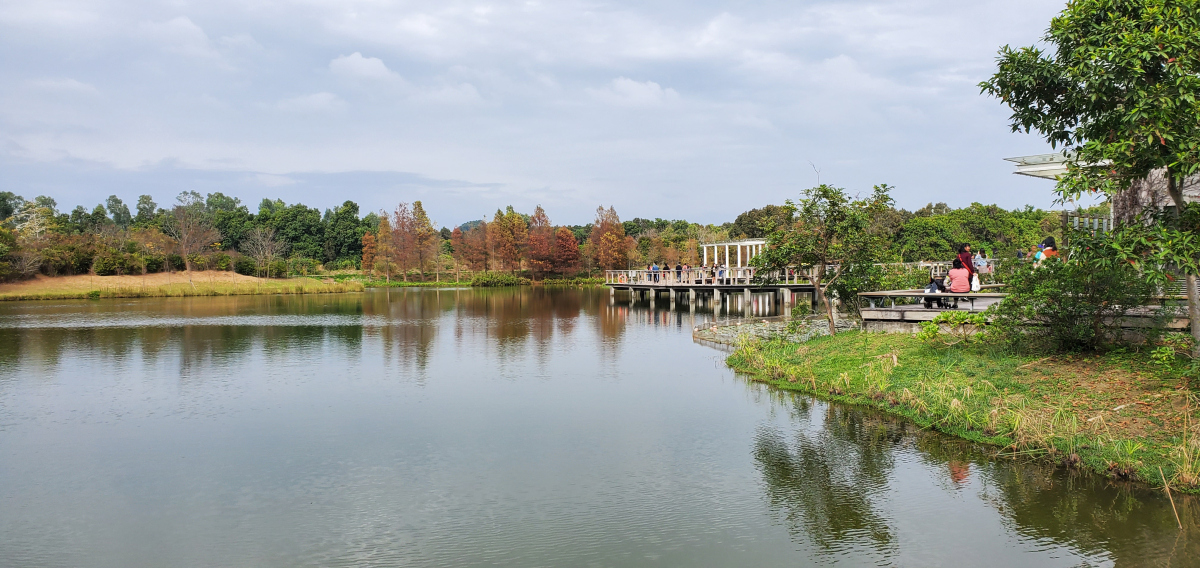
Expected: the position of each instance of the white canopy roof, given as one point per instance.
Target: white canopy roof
(1047, 166)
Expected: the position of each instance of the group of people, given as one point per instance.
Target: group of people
(1038, 254)
(714, 273)
(655, 271)
(964, 277)
(965, 274)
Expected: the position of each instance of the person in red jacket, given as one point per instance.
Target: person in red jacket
(964, 254)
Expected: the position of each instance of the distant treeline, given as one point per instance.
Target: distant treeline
(215, 231)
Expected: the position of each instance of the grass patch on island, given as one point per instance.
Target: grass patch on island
(95, 287)
(1121, 413)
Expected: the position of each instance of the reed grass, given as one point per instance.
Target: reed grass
(1105, 413)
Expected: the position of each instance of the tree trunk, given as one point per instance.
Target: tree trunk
(1176, 190)
(187, 267)
(1194, 314)
(822, 301)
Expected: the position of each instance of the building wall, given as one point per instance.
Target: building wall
(1151, 192)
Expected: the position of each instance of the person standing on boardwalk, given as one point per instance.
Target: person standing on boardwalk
(981, 265)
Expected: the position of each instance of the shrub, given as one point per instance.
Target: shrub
(222, 261)
(951, 327)
(277, 269)
(1073, 304)
(497, 279)
(175, 262)
(198, 261)
(245, 265)
(109, 263)
(301, 265)
(154, 263)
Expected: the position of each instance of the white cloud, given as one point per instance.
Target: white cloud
(355, 65)
(627, 92)
(180, 36)
(316, 102)
(534, 98)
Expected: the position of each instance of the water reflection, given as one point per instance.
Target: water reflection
(823, 482)
(831, 474)
(261, 430)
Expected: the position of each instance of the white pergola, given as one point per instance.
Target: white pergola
(734, 258)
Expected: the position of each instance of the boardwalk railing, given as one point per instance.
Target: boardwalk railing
(693, 277)
(735, 276)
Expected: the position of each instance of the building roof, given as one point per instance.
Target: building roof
(736, 243)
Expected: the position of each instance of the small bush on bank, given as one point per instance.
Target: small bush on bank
(497, 279)
(1073, 304)
(245, 265)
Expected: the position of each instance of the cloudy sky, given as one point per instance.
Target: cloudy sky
(696, 110)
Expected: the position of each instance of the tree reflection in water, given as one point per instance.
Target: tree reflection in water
(823, 480)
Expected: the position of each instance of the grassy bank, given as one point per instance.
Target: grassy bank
(1119, 414)
(159, 285)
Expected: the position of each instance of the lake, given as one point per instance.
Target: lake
(491, 427)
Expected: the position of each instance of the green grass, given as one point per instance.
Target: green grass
(291, 286)
(1117, 414)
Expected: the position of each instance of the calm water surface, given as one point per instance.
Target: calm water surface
(518, 427)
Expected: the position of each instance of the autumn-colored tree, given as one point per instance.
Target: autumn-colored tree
(192, 229)
(264, 246)
(425, 240)
(404, 238)
(541, 245)
(566, 251)
(508, 239)
(608, 240)
(475, 247)
(368, 248)
(385, 254)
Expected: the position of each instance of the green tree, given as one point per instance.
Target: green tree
(344, 232)
(830, 233)
(10, 204)
(1119, 90)
(298, 226)
(147, 210)
(119, 211)
(232, 219)
(757, 223)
